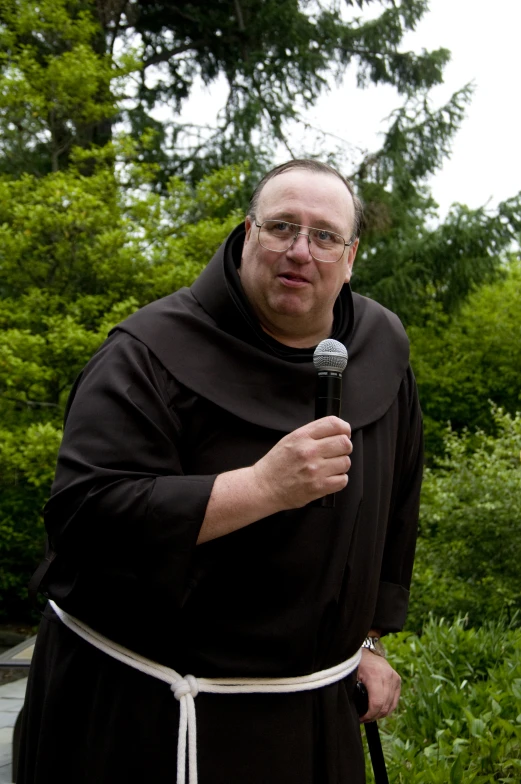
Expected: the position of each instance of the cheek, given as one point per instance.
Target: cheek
(344, 274)
(334, 281)
(252, 273)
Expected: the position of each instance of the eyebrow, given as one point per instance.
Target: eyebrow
(319, 224)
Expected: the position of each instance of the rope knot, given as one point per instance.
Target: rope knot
(184, 686)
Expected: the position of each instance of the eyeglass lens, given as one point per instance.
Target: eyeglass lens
(279, 236)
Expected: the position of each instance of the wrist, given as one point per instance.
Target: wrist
(265, 492)
(373, 644)
(237, 500)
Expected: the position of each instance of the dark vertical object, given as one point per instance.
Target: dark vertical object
(376, 753)
(372, 735)
(330, 360)
(16, 746)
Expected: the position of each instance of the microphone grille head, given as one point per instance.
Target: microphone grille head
(330, 355)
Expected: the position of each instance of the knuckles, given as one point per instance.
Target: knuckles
(340, 426)
(307, 453)
(312, 471)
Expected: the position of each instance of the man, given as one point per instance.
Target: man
(183, 520)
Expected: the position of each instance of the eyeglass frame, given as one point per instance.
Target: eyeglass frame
(303, 233)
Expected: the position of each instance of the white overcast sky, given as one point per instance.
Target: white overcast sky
(484, 39)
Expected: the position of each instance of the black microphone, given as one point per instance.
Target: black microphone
(330, 360)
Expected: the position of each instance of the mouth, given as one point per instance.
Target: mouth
(292, 279)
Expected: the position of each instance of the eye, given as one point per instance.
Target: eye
(326, 238)
(281, 227)
(324, 235)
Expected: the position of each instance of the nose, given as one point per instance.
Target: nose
(299, 250)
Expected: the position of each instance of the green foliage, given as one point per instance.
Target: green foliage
(64, 60)
(54, 86)
(464, 362)
(405, 262)
(459, 717)
(27, 459)
(276, 58)
(469, 550)
(72, 70)
(77, 255)
(58, 233)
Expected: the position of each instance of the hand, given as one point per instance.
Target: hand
(383, 685)
(307, 464)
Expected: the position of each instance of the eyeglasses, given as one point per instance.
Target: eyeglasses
(324, 245)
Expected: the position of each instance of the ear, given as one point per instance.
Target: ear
(248, 224)
(351, 259)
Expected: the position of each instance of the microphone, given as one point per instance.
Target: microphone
(330, 360)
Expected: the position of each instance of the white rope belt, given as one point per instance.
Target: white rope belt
(187, 688)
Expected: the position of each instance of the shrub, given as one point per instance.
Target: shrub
(469, 549)
(459, 718)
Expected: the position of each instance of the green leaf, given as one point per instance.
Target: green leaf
(456, 771)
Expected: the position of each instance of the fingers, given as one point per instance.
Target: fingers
(335, 446)
(325, 439)
(379, 709)
(382, 703)
(338, 466)
(307, 464)
(383, 685)
(327, 426)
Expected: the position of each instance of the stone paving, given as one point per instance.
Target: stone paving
(11, 702)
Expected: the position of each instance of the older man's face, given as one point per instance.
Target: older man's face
(291, 293)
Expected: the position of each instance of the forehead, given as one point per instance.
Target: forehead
(309, 198)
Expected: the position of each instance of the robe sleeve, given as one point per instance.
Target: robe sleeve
(121, 503)
(398, 557)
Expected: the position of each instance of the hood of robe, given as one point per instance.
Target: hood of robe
(209, 339)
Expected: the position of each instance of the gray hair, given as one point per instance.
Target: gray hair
(318, 168)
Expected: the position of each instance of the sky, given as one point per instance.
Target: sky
(483, 37)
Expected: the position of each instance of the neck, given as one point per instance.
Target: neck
(290, 335)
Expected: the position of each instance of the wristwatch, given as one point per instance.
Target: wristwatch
(374, 645)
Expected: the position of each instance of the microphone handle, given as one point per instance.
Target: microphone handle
(329, 395)
(328, 403)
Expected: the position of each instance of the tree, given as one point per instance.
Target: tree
(276, 58)
(77, 255)
(406, 262)
(57, 90)
(465, 362)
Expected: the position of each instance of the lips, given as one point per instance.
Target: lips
(292, 279)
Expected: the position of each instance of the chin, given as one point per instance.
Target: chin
(291, 313)
(290, 306)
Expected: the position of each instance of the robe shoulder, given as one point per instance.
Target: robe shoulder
(210, 357)
(378, 362)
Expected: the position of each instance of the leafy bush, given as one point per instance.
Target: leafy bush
(78, 255)
(27, 459)
(465, 361)
(469, 549)
(459, 718)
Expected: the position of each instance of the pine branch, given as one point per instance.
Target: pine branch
(166, 54)
(240, 18)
